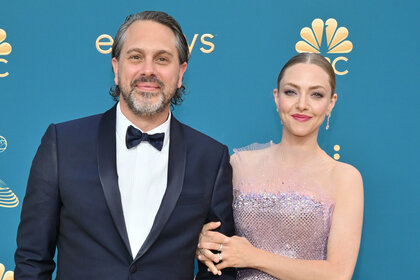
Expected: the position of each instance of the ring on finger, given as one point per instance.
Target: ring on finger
(220, 247)
(219, 255)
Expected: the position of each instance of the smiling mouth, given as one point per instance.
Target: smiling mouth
(148, 87)
(147, 84)
(301, 118)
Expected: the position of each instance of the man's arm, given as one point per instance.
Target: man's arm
(221, 210)
(39, 222)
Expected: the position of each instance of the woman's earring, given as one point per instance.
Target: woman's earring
(277, 109)
(328, 122)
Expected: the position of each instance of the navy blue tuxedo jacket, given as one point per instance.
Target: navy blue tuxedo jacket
(73, 203)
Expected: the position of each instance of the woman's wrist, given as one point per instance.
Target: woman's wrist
(254, 257)
(261, 259)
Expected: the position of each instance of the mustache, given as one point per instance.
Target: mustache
(147, 80)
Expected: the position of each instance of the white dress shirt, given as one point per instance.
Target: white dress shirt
(142, 178)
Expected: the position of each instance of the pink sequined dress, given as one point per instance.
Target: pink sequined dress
(276, 209)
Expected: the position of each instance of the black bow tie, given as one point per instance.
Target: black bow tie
(135, 136)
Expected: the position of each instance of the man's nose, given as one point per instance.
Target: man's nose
(148, 68)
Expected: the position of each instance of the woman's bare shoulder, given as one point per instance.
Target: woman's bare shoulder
(347, 179)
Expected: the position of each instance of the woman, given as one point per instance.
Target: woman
(298, 213)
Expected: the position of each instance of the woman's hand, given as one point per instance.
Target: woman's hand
(232, 252)
(210, 240)
(237, 252)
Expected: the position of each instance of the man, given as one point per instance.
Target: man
(124, 194)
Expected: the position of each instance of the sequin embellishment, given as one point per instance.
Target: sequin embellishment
(291, 224)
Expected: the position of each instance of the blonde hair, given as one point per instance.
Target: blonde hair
(310, 58)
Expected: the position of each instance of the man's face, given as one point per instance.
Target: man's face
(148, 70)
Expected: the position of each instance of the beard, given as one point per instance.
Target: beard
(145, 106)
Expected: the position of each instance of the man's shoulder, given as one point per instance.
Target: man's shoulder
(83, 121)
(193, 135)
(77, 132)
(81, 125)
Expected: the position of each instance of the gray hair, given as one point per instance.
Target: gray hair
(162, 18)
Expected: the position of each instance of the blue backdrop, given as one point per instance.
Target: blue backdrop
(53, 69)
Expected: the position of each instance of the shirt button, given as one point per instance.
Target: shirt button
(133, 269)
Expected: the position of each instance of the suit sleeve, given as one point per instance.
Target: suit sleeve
(39, 222)
(221, 210)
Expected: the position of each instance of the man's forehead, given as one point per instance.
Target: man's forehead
(147, 30)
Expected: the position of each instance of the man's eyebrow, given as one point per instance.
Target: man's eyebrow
(134, 50)
(164, 52)
(159, 52)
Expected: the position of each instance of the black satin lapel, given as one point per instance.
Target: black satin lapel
(176, 171)
(107, 167)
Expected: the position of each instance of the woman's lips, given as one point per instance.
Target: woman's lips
(301, 118)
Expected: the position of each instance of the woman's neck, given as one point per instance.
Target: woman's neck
(300, 149)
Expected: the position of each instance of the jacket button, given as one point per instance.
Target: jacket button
(133, 269)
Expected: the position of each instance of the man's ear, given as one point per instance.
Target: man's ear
(182, 69)
(115, 68)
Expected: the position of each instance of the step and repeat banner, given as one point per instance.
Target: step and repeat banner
(55, 65)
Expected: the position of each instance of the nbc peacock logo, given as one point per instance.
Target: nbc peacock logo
(5, 49)
(9, 275)
(3, 144)
(335, 41)
(7, 198)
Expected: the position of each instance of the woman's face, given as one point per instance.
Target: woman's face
(304, 98)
